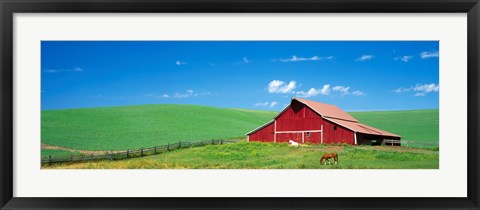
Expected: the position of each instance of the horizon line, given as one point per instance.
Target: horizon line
(346, 110)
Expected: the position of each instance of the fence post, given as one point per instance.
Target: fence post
(179, 144)
(49, 159)
(128, 153)
(221, 141)
(141, 152)
(212, 141)
(168, 146)
(71, 158)
(155, 150)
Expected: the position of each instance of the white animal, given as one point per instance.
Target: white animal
(293, 143)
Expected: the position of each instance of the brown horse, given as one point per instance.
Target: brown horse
(327, 157)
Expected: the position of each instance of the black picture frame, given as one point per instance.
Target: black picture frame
(10, 7)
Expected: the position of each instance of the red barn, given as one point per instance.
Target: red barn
(314, 122)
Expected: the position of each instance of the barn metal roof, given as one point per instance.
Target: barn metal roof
(340, 117)
(327, 110)
(361, 128)
(262, 126)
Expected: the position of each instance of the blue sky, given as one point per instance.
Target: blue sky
(354, 75)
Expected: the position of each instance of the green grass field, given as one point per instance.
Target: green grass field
(57, 153)
(133, 127)
(420, 127)
(256, 155)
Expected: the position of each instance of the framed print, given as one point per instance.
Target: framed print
(239, 105)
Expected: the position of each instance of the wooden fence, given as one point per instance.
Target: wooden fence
(135, 153)
(393, 142)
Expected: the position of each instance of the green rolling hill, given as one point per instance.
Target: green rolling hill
(133, 127)
(418, 127)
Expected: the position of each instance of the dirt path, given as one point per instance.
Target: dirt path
(86, 152)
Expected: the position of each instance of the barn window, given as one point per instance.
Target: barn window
(334, 127)
(308, 134)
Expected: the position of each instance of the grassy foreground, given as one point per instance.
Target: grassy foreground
(133, 127)
(256, 155)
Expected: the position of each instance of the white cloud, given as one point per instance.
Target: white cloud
(262, 104)
(314, 92)
(420, 89)
(75, 69)
(425, 55)
(51, 70)
(325, 90)
(404, 58)
(365, 58)
(358, 93)
(419, 94)
(296, 59)
(427, 88)
(274, 85)
(278, 86)
(266, 104)
(180, 63)
(182, 95)
(245, 60)
(186, 94)
(342, 89)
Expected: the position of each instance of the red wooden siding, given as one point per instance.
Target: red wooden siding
(285, 137)
(340, 135)
(299, 118)
(265, 134)
(315, 137)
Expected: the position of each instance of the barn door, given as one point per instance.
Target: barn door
(312, 137)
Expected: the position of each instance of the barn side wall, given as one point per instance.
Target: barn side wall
(263, 135)
(300, 117)
(334, 133)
